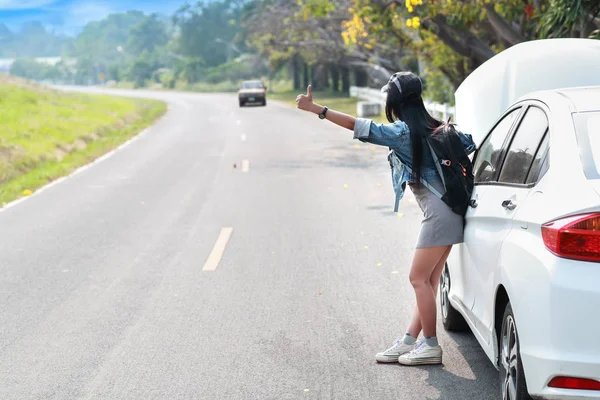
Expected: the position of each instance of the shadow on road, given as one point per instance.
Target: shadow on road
(483, 385)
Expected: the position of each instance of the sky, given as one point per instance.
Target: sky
(68, 17)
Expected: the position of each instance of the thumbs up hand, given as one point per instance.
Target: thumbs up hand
(305, 101)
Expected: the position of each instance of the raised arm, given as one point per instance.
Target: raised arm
(365, 130)
(305, 102)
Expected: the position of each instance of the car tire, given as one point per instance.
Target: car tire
(451, 318)
(512, 377)
(241, 104)
(264, 103)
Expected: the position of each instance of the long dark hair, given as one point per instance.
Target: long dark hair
(407, 105)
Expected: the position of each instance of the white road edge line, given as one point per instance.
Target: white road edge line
(77, 171)
(217, 252)
(245, 166)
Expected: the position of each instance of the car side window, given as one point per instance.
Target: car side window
(489, 156)
(524, 147)
(540, 162)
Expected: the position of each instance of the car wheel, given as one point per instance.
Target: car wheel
(241, 104)
(452, 319)
(512, 377)
(264, 103)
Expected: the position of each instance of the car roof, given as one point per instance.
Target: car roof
(576, 99)
(583, 99)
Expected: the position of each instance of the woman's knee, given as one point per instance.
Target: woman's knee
(418, 280)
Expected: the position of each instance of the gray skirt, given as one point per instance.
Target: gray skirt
(440, 226)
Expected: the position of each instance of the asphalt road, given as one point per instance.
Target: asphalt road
(103, 293)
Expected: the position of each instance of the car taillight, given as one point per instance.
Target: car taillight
(567, 382)
(576, 237)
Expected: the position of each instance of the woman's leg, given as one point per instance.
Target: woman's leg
(437, 272)
(424, 276)
(415, 327)
(405, 345)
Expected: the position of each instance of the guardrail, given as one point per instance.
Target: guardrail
(443, 111)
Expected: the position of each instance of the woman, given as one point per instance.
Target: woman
(410, 124)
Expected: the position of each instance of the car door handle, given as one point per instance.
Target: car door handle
(509, 205)
(473, 203)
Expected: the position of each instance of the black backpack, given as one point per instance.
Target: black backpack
(454, 166)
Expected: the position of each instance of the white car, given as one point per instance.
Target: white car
(526, 280)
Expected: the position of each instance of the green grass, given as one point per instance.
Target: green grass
(334, 101)
(122, 85)
(46, 134)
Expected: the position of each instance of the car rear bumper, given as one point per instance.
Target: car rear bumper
(253, 98)
(540, 370)
(558, 310)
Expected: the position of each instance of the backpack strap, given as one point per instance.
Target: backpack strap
(436, 161)
(433, 190)
(396, 162)
(423, 181)
(397, 202)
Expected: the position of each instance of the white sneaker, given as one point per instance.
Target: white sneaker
(392, 354)
(422, 354)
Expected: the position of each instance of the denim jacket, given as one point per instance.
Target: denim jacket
(396, 137)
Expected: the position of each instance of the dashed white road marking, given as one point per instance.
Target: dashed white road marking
(245, 166)
(217, 252)
(244, 137)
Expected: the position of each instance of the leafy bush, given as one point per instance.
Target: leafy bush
(38, 71)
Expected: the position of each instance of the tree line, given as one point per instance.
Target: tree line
(444, 40)
(329, 43)
(201, 42)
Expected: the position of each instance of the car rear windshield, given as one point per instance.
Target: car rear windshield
(252, 85)
(588, 135)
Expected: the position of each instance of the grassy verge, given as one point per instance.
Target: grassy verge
(333, 101)
(46, 134)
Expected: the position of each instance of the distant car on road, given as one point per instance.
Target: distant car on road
(252, 92)
(526, 280)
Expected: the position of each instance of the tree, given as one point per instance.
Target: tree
(141, 70)
(308, 36)
(453, 37)
(148, 35)
(209, 30)
(191, 69)
(86, 71)
(100, 40)
(122, 44)
(574, 18)
(39, 71)
(32, 41)
(447, 37)
(115, 72)
(27, 68)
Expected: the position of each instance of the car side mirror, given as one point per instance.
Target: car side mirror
(265, 88)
